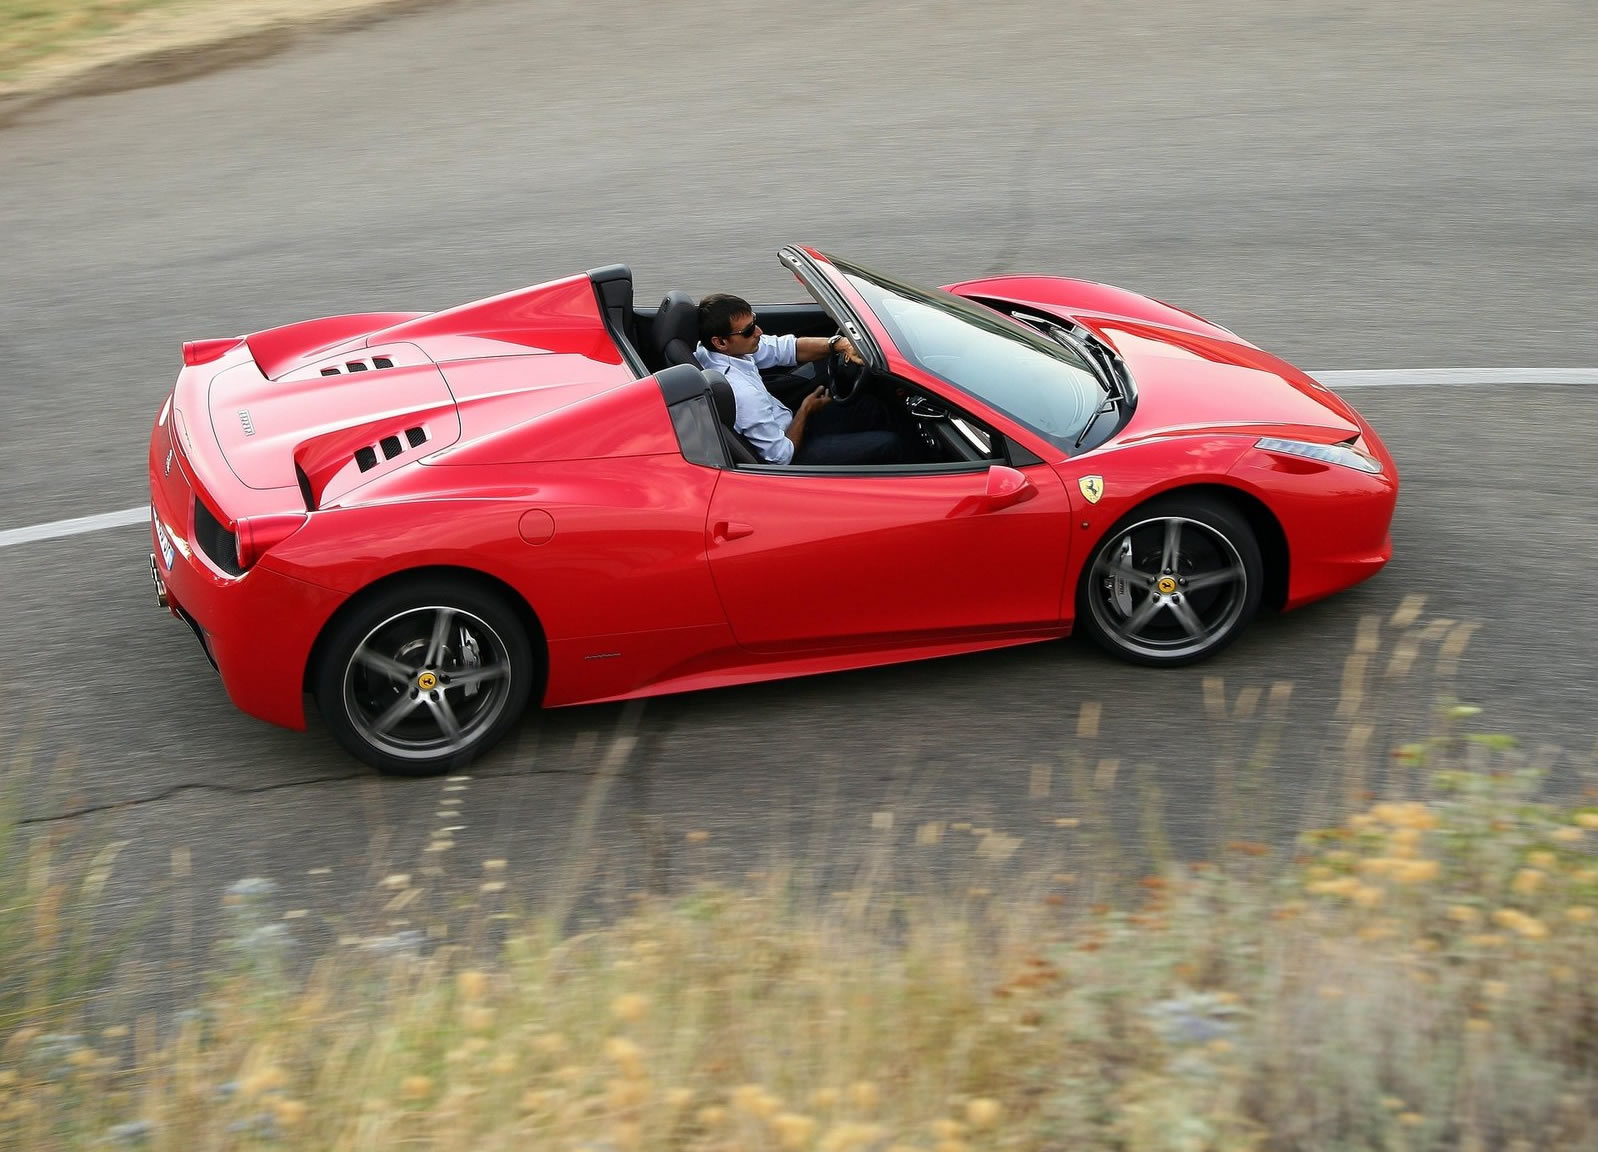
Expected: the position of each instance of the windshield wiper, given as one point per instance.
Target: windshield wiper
(1098, 360)
(1113, 393)
(1111, 403)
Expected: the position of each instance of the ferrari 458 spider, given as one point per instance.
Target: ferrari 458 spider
(426, 520)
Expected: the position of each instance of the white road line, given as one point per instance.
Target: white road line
(1337, 381)
(1452, 377)
(75, 527)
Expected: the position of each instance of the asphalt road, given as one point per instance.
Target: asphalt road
(1351, 186)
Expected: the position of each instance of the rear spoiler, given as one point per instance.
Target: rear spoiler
(277, 351)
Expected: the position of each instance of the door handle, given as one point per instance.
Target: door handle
(731, 530)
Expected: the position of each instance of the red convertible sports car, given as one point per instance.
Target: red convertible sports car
(426, 520)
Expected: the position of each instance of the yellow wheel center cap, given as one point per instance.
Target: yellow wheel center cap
(427, 681)
(1167, 585)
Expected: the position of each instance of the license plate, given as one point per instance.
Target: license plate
(163, 539)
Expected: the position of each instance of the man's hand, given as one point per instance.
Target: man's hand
(811, 348)
(817, 399)
(811, 404)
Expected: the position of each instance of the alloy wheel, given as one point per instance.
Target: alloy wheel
(1168, 588)
(427, 682)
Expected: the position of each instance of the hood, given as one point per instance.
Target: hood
(1187, 382)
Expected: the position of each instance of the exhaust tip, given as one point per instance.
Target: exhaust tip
(160, 585)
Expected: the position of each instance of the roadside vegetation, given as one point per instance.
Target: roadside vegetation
(44, 41)
(1419, 973)
(36, 30)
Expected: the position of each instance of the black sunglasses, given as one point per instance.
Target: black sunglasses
(746, 331)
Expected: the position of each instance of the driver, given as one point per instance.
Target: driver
(731, 342)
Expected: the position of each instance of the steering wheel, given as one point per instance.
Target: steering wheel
(844, 380)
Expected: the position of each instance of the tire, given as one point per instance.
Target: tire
(1147, 611)
(377, 657)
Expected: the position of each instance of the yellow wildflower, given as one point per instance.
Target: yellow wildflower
(983, 1112)
(630, 1006)
(1368, 896)
(1588, 820)
(1406, 842)
(849, 1136)
(1544, 860)
(626, 1055)
(793, 1130)
(471, 985)
(1568, 835)
(416, 1087)
(863, 1094)
(624, 1095)
(1417, 872)
(1579, 914)
(1342, 886)
(1463, 914)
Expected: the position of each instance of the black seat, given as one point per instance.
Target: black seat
(741, 451)
(676, 330)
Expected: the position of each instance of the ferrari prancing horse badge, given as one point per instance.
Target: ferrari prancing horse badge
(1092, 487)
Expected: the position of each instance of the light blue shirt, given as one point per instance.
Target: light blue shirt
(760, 417)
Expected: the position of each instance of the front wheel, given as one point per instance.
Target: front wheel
(1172, 583)
(422, 678)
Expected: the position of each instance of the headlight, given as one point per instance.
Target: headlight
(1350, 455)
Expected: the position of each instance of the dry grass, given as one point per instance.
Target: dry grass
(1422, 974)
(33, 30)
(44, 42)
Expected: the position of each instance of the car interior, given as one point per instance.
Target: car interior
(661, 338)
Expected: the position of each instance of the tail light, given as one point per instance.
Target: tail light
(205, 351)
(256, 535)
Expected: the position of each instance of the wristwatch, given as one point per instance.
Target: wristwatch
(832, 345)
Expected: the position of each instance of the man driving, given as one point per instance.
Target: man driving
(818, 432)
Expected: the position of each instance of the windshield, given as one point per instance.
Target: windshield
(1042, 385)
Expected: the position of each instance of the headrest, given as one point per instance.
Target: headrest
(676, 329)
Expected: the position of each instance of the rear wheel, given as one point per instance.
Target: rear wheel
(1172, 583)
(422, 678)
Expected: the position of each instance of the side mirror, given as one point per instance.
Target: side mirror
(1005, 487)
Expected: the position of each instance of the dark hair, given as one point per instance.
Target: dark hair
(715, 315)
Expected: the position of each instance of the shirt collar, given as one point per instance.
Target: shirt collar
(721, 357)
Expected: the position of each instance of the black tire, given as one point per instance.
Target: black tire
(377, 656)
(1150, 612)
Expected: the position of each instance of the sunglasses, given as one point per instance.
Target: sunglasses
(746, 331)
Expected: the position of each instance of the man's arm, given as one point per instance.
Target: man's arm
(809, 348)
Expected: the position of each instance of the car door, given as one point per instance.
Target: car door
(807, 558)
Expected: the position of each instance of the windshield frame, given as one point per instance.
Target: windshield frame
(995, 322)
